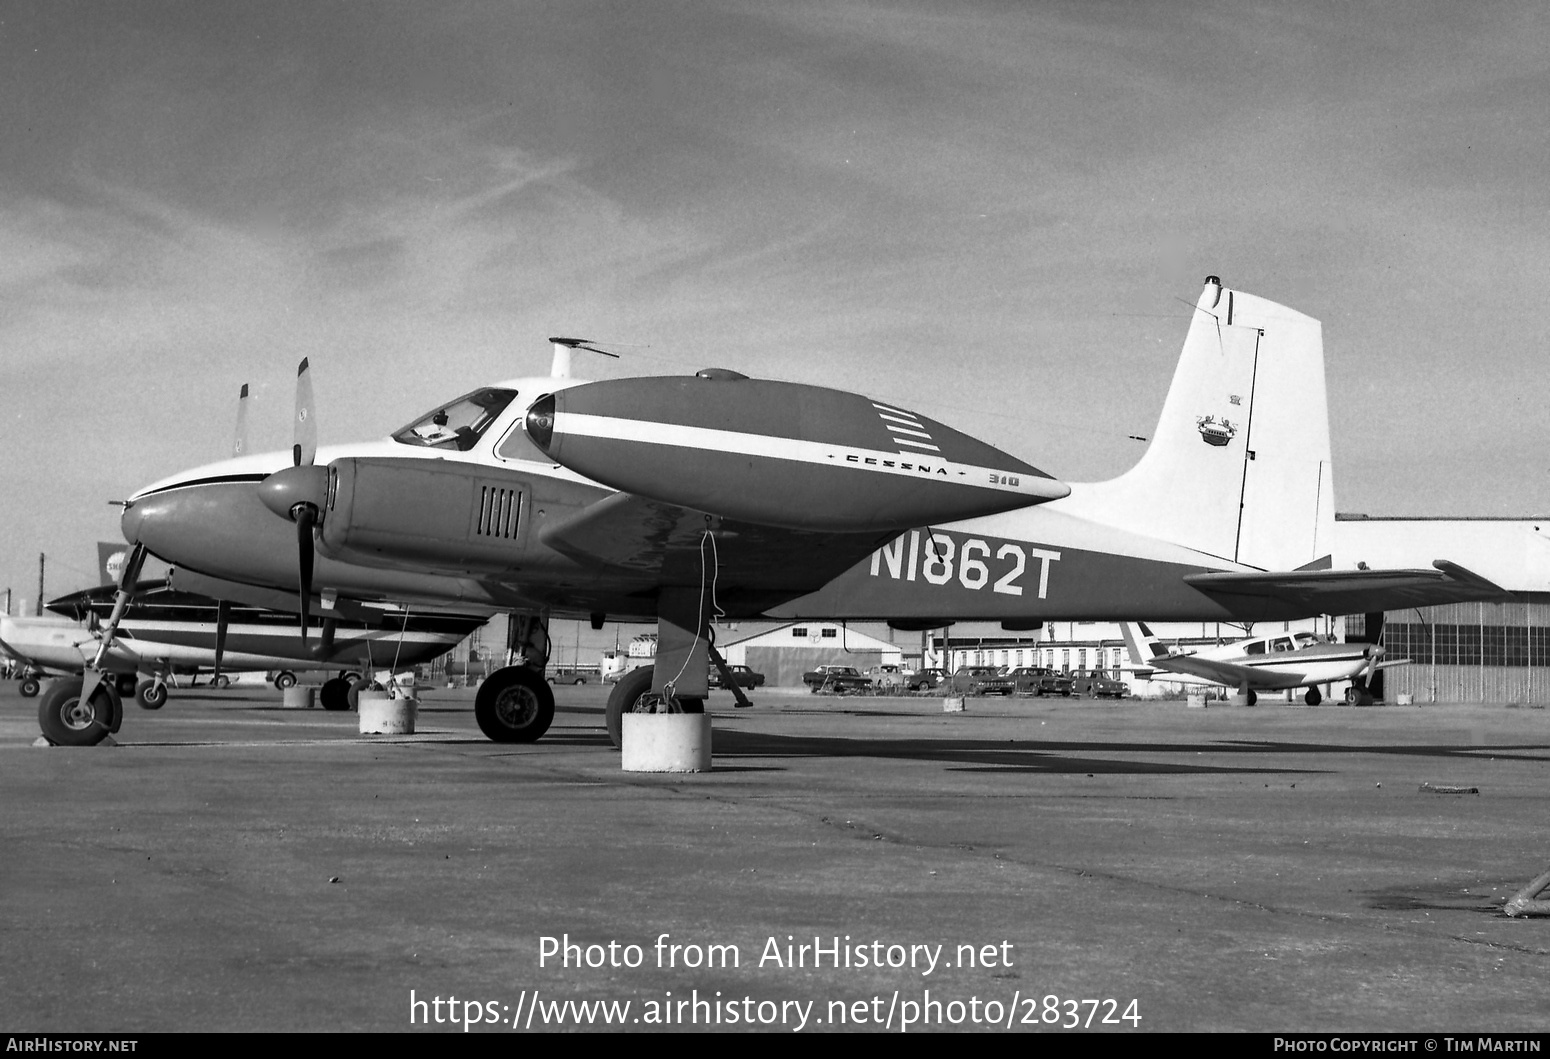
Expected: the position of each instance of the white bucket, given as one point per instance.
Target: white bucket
(665, 742)
(952, 704)
(299, 696)
(381, 714)
(1404, 699)
(1195, 700)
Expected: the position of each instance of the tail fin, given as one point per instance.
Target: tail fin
(1239, 464)
(1143, 645)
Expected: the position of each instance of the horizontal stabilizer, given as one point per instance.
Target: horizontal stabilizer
(1347, 591)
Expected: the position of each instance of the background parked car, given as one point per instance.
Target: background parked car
(1099, 685)
(836, 679)
(1037, 680)
(924, 679)
(745, 677)
(982, 680)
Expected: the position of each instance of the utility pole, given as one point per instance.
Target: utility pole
(38, 607)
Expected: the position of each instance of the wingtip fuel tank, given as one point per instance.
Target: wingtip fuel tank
(780, 454)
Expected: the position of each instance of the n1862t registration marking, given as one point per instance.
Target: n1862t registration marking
(943, 560)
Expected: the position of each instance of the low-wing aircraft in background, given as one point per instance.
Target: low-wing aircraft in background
(1280, 662)
(682, 499)
(166, 632)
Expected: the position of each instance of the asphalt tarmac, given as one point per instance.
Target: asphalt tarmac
(233, 865)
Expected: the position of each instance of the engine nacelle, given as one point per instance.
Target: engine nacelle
(450, 516)
(780, 454)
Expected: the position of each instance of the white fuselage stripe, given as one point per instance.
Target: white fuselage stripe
(911, 433)
(794, 450)
(917, 444)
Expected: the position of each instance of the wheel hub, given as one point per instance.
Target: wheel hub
(517, 707)
(77, 714)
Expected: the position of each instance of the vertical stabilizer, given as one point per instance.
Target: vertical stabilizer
(1238, 466)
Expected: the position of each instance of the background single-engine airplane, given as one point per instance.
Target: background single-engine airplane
(680, 499)
(1279, 662)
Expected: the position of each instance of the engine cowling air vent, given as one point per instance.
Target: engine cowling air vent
(499, 512)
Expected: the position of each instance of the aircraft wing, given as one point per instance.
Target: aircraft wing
(1224, 672)
(1348, 591)
(664, 543)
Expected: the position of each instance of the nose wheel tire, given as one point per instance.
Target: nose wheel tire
(151, 694)
(514, 705)
(68, 721)
(284, 680)
(29, 687)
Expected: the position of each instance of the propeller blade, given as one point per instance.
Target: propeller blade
(305, 516)
(305, 449)
(239, 445)
(222, 620)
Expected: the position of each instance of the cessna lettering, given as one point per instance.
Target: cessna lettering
(904, 558)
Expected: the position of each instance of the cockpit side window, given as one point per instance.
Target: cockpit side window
(516, 445)
(1255, 648)
(460, 424)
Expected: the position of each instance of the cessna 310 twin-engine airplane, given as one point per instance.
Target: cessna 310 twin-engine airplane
(1280, 662)
(685, 499)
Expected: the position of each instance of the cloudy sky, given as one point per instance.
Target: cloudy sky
(994, 213)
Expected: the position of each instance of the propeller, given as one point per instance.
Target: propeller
(1374, 654)
(306, 429)
(239, 444)
(300, 491)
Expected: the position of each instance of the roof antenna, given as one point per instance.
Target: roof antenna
(560, 369)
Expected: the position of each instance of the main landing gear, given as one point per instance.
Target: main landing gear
(516, 704)
(633, 694)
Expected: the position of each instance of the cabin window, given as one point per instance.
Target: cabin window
(1255, 648)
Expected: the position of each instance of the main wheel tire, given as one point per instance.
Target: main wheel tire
(220, 683)
(514, 705)
(1251, 698)
(353, 697)
(67, 721)
(151, 694)
(285, 679)
(335, 694)
(1313, 698)
(29, 687)
(633, 694)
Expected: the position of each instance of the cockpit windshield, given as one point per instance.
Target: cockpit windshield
(460, 424)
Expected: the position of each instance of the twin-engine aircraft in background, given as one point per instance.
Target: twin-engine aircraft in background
(685, 499)
(1281, 662)
(165, 632)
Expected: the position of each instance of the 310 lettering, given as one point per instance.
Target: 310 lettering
(943, 559)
